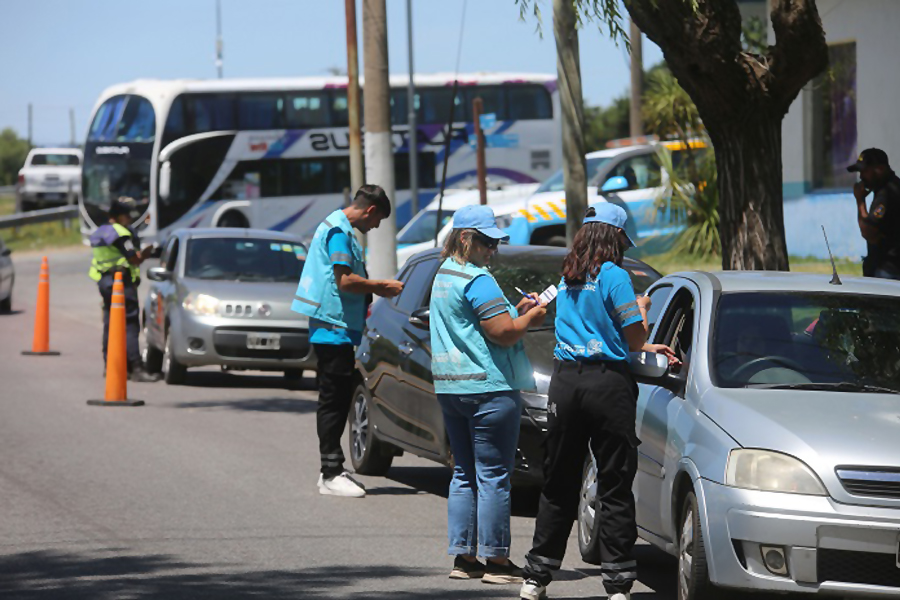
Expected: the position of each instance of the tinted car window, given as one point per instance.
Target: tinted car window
(417, 286)
(56, 160)
(244, 259)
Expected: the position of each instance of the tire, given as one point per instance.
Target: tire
(588, 521)
(368, 455)
(693, 573)
(173, 371)
(558, 241)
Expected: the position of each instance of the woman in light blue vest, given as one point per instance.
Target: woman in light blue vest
(479, 366)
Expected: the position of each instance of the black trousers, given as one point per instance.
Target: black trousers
(336, 364)
(132, 317)
(591, 405)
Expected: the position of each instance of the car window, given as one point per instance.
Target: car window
(676, 329)
(417, 287)
(641, 172)
(658, 299)
(55, 160)
(244, 259)
(172, 258)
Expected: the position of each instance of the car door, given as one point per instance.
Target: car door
(659, 405)
(422, 413)
(644, 177)
(166, 296)
(154, 309)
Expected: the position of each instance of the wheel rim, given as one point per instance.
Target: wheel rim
(686, 553)
(587, 512)
(359, 427)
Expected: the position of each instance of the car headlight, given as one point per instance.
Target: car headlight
(769, 471)
(200, 304)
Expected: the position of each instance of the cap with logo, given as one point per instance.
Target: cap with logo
(610, 214)
(869, 158)
(480, 218)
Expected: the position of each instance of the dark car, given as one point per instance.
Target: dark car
(394, 406)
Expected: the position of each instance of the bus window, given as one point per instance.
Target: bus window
(105, 121)
(528, 102)
(340, 116)
(175, 125)
(273, 178)
(210, 112)
(433, 106)
(138, 122)
(400, 107)
(426, 164)
(260, 111)
(492, 99)
(308, 109)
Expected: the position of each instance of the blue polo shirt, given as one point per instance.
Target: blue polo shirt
(590, 317)
(340, 253)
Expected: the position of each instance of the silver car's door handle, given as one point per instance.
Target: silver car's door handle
(373, 335)
(406, 349)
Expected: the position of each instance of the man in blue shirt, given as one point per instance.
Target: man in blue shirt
(332, 293)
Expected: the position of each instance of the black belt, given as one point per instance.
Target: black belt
(592, 365)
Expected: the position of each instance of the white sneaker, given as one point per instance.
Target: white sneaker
(625, 596)
(358, 483)
(532, 590)
(341, 485)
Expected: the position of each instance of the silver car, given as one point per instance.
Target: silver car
(771, 460)
(7, 278)
(223, 297)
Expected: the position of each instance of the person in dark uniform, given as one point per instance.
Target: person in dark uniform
(116, 249)
(880, 223)
(592, 404)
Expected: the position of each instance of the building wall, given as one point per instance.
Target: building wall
(873, 25)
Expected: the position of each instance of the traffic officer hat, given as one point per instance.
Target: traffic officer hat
(610, 214)
(124, 205)
(481, 219)
(869, 158)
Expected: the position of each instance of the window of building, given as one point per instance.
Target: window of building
(834, 119)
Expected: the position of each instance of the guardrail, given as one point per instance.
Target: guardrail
(39, 216)
(7, 190)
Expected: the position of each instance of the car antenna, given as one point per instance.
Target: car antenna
(835, 280)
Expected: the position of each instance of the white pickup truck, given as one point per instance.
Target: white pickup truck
(47, 177)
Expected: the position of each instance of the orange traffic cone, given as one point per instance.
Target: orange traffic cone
(116, 354)
(41, 344)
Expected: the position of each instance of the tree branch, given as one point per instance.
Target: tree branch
(800, 52)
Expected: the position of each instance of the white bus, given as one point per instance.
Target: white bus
(273, 153)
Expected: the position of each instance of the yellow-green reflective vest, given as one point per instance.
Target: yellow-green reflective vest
(106, 256)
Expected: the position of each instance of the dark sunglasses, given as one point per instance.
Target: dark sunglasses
(489, 243)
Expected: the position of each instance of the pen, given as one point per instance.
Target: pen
(521, 292)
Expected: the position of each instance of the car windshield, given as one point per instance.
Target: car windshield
(55, 160)
(556, 184)
(842, 342)
(536, 271)
(244, 259)
(421, 228)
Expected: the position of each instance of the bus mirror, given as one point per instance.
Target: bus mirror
(165, 180)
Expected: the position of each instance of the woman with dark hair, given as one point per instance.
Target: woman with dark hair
(479, 365)
(592, 400)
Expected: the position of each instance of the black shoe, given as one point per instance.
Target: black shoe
(502, 574)
(466, 569)
(139, 375)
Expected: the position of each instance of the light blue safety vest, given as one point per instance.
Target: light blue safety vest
(463, 360)
(317, 295)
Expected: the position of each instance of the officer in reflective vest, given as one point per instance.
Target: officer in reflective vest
(332, 293)
(115, 249)
(479, 367)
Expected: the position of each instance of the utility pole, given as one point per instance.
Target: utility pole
(571, 102)
(219, 37)
(378, 143)
(357, 176)
(636, 122)
(72, 125)
(30, 122)
(413, 131)
(481, 165)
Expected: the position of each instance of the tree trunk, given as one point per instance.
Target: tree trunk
(748, 159)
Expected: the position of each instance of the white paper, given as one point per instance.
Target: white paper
(548, 295)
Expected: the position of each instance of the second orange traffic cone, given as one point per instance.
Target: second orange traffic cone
(40, 346)
(116, 353)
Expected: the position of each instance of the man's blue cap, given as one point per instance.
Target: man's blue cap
(480, 218)
(604, 212)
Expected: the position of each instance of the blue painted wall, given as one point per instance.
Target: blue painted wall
(803, 220)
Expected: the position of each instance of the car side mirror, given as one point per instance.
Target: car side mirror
(614, 184)
(421, 318)
(648, 367)
(159, 274)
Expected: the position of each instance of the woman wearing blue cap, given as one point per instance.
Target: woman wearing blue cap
(592, 399)
(479, 366)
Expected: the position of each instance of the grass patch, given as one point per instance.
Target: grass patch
(670, 262)
(38, 236)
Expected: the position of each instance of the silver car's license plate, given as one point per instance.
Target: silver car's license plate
(53, 196)
(264, 341)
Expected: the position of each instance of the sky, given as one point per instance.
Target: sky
(61, 54)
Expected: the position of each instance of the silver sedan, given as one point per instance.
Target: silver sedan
(223, 297)
(771, 460)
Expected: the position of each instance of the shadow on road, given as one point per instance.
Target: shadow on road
(431, 480)
(100, 575)
(214, 379)
(271, 405)
(11, 313)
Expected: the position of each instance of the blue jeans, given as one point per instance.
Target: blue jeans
(484, 433)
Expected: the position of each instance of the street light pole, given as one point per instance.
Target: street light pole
(413, 131)
(219, 37)
(357, 175)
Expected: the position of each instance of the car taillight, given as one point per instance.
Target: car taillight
(368, 312)
(21, 179)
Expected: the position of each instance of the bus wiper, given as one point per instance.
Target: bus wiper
(840, 386)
